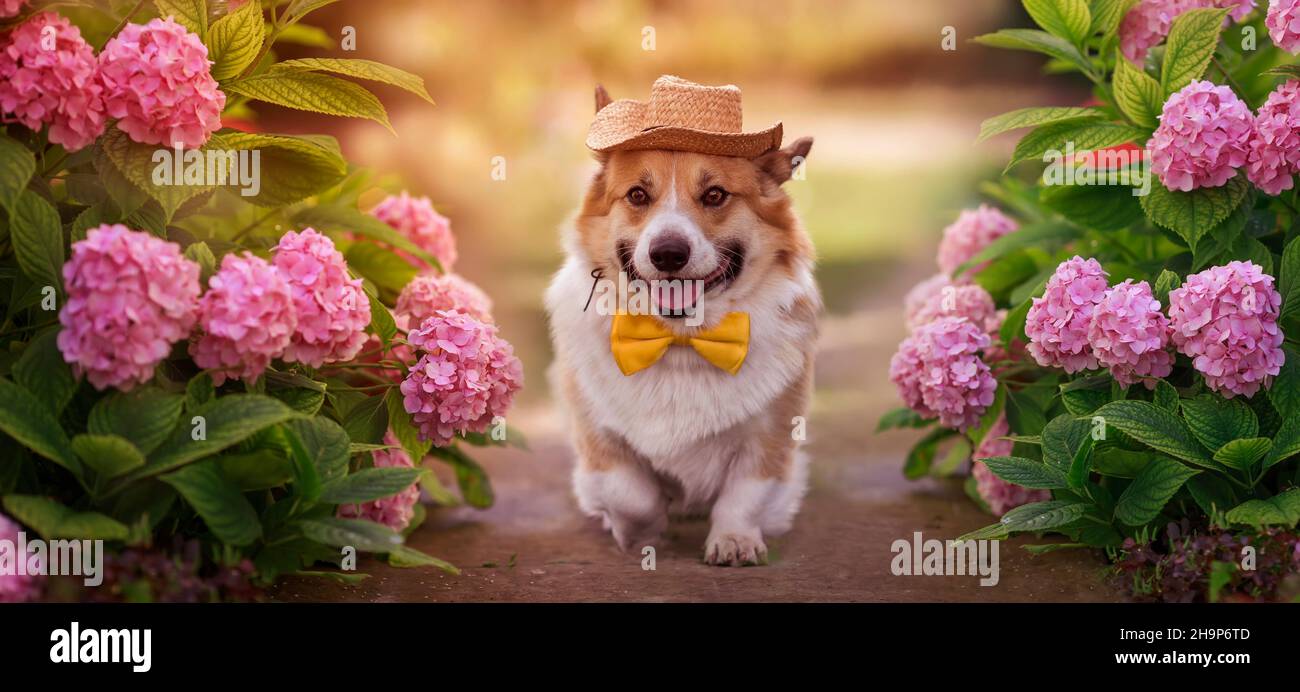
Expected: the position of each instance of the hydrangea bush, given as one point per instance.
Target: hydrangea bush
(1142, 370)
(197, 362)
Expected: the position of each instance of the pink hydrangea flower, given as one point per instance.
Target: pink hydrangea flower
(1225, 320)
(467, 376)
(968, 301)
(416, 218)
(920, 294)
(394, 511)
(1275, 145)
(1203, 138)
(973, 230)
(11, 8)
(1283, 22)
(1128, 334)
(938, 372)
(18, 588)
(1239, 9)
(131, 295)
(1147, 24)
(159, 84)
(247, 318)
(1057, 323)
(426, 294)
(55, 85)
(1001, 496)
(333, 310)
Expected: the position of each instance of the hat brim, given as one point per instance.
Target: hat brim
(617, 127)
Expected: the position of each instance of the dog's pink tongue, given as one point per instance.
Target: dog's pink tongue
(675, 296)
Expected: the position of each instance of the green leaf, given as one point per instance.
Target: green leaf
(1280, 510)
(225, 510)
(17, 165)
(1166, 282)
(472, 479)
(1211, 493)
(1165, 396)
(1156, 428)
(138, 163)
(325, 444)
(191, 14)
(1216, 421)
(363, 535)
(1013, 327)
(399, 422)
(1138, 95)
(921, 456)
(1103, 207)
(367, 420)
(145, 416)
(387, 270)
(370, 484)
(42, 371)
(54, 521)
(200, 254)
(994, 532)
(1063, 437)
(299, 166)
(405, 556)
(1242, 454)
(1026, 472)
(1081, 465)
(298, 9)
(108, 455)
(1118, 462)
(1085, 136)
(199, 391)
(1143, 499)
(1289, 282)
(302, 400)
(1042, 516)
(235, 40)
(901, 418)
(1286, 442)
(313, 92)
(347, 219)
(304, 35)
(1033, 117)
(1107, 14)
(1069, 19)
(1192, 214)
(226, 421)
(1038, 42)
(1193, 37)
(1285, 391)
(37, 237)
(257, 470)
(29, 421)
(362, 69)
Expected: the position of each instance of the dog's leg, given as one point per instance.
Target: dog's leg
(764, 486)
(614, 483)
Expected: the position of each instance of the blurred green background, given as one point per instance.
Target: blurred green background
(894, 117)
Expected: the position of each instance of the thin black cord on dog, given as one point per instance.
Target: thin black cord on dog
(596, 275)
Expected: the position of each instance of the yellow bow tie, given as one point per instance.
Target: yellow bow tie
(638, 341)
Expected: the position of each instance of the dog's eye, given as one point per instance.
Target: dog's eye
(714, 197)
(638, 197)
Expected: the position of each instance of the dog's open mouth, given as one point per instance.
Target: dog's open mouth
(677, 296)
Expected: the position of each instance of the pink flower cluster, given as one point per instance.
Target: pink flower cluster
(938, 372)
(1203, 138)
(973, 230)
(416, 219)
(1225, 320)
(14, 587)
(11, 8)
(969, 301)
(1057, 324)
(1275, 147)
(394, 511)
(1283, 22)
(247, 318)
(1129, 335)
(426, 294)
(52, 84)
(130, 297)
(332, 308)
(158, 84)
(1149, 22)
(1001, 496)
(467, 376)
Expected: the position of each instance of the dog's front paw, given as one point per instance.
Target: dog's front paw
(735, 548)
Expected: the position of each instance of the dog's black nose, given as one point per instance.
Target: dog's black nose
(670, 253)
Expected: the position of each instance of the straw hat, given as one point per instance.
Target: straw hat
(681, 116)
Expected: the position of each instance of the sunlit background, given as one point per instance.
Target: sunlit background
(894, 117)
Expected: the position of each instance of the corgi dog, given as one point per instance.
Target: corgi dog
(683, 435)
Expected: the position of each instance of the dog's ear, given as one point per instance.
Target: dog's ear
(780, 164)
(602, 98)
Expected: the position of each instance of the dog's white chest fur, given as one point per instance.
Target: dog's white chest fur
(671, 408)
